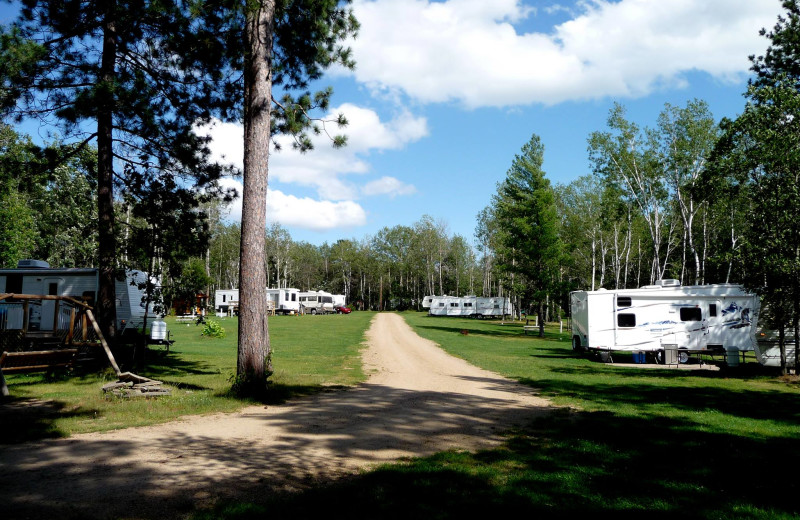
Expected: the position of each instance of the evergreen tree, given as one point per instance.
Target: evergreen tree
(527, 221)
(131, 76)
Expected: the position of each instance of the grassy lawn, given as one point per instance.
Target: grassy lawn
(628, 442)
(310, 353)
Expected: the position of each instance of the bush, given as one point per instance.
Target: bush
(213, 329)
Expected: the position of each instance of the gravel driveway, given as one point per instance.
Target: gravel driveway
(418, 400)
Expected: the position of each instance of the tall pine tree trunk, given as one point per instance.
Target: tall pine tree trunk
(107, 243)
(254, 357)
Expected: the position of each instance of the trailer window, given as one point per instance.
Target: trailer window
(294, 297)
(626, 320)
(691, 314)
(712, 310)
(453, 304)
(52, 289)
(441, 304)
(624, 301)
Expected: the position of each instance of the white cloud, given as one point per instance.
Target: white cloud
(388, 186)
(327, 170)
(471, 51)
(305, 213)
(324, 168)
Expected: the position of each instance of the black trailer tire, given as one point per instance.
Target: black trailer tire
(313, 311)
(576, 344)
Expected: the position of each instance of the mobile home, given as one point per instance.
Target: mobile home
(36, 277)
(226, 302)
(665, 318)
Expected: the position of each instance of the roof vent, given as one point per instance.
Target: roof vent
(32, 264)
(669, 282)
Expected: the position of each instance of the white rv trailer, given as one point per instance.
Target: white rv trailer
(316, 302)
(768, 350)
(494, 307)
(457, 306)
(665, 316)
(38, 278)
(225, 301)
(286, 300)
(473, 306)
(439, 305)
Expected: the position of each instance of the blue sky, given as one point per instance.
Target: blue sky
(446, 93)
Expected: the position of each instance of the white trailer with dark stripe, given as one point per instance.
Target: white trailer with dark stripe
(665, 319)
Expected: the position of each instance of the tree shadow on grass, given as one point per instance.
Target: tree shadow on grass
(780, 408)
(563, 466)
(557, 464)
(24, 419)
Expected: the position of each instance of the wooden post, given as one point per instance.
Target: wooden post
(103, 342)
(71, 325)
(25, 317)
(84, 327)
(56, 310)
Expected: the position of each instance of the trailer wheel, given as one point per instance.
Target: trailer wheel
(313, 311)
(660, 356)
(683, 357)
(576, 343)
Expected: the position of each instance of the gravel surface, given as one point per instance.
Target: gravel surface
(417, 401)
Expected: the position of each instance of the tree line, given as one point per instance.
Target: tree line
(685, 198)
(127, 83)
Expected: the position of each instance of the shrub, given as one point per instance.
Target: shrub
(213, 329)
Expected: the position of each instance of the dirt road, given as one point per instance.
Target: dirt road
(418, 400)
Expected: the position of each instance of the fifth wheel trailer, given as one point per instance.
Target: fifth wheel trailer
(665, 317)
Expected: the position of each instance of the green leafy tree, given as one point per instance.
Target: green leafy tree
(528, 227)
(758, 154)
(17, 240)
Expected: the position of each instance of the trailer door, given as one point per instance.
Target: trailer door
(714, 333)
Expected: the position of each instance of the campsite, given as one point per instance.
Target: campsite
(610, 440)
(381, 259)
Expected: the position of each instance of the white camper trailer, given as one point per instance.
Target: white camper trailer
(472, 306)
(665, 319)
(768, 350)
(226, 302)
(316, 302)
(497, 307)
(439, 305)
(36, 277)
(286, 300)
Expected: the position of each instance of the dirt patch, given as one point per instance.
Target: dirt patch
(418, 401)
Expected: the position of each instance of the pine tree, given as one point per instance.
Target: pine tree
(527, 221)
